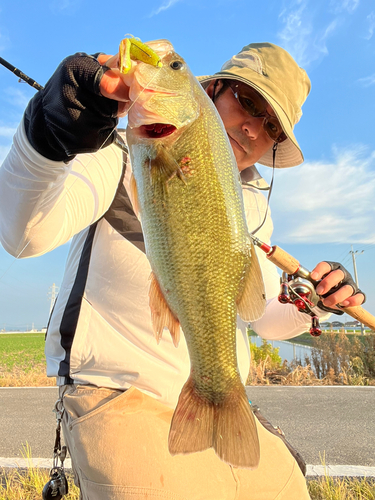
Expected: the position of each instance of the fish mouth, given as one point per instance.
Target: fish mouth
(157, 130)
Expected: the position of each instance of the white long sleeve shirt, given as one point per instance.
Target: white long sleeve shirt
(100, 330)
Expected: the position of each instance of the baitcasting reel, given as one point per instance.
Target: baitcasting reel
(301, 292)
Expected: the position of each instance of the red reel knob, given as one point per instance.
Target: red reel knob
(315, 329)
(283, 298)
(300, 304)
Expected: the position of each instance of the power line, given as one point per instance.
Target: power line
(53, 296)
(353, 253)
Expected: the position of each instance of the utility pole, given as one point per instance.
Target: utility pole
(356, 275)
(53, 294)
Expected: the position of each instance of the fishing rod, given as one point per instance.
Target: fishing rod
(20, 74)
(298, 288)
(117, 141)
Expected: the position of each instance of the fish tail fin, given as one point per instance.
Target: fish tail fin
(228, 427)
(192, 425)
(236, 437)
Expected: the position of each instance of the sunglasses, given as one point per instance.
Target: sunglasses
(254, 104)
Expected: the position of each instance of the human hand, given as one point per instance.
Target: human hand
(71, 115)
(336, 286)
(112, 84)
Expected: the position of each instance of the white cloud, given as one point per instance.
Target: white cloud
(327, 202)
(164, 6)
(367, 81)
(298, 35)
(7, 131)
(371, 28)
(65, 6)
(344, 5)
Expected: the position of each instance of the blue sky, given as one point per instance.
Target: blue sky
(319, 209)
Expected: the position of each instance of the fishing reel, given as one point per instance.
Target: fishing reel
(301, 292)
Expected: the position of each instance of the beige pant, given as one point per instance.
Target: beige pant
(118, 444)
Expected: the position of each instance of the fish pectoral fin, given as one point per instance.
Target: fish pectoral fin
(229, 427)
(251, 302)
(163, 166)
(161, 315)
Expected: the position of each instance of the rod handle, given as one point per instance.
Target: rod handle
(283, 260)
(361, 315)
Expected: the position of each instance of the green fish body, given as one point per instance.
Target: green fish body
(204, 267)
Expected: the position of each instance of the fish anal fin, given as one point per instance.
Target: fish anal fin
(251, 302)
(161, 314)
(228, 427)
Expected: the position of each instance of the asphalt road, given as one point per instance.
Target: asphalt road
(335, 421)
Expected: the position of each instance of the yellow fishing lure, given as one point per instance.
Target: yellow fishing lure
(133, 49)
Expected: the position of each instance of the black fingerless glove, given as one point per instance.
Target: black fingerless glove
(70, 116)
(347, 280)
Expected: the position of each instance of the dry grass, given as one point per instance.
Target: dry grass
(18, 377)
(328, 488)
(28, 484)
(301, 375)
(260, 374)
(335, 360)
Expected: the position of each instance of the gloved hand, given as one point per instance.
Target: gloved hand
(70, 115)
(336, 287)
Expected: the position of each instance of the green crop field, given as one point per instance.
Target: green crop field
(21, 350)
(22, 361)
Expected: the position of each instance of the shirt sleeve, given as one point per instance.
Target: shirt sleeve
(43, 203)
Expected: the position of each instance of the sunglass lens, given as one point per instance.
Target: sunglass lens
(274, 129)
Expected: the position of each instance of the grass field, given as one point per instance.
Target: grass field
(22, 361)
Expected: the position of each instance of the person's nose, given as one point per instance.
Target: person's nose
(253, 127)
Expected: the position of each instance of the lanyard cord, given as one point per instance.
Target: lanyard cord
(274, 148)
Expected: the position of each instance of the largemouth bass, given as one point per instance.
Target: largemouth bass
(204, 266)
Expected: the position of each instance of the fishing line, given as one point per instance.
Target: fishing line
(84, 169)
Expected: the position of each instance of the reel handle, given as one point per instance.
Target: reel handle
(290, 265)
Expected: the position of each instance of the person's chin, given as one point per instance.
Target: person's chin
(242, 157)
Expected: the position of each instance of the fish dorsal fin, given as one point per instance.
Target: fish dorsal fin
(251, 302)
(161, 314)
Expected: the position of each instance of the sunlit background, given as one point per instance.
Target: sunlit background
(323, 209)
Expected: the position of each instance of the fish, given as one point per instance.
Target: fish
(205, 271)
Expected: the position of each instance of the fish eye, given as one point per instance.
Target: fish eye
(176, 65)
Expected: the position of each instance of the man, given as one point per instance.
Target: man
(119, 387)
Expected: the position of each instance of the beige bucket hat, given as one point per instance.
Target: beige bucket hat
(273, 72)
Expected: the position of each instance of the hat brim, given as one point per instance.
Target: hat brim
(289, 153)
